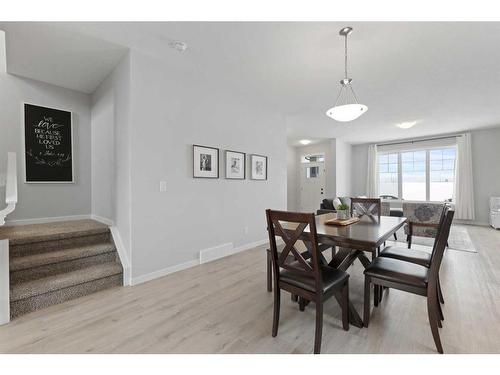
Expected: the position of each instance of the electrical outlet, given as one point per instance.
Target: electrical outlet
(163, 186)
(246, 230)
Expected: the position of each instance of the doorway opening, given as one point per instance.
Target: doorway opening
(312, 181)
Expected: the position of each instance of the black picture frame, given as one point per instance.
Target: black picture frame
(252, 174)
(198, 172)
(47, 144)
(244, 167)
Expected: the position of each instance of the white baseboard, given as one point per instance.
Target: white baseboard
(164, 272)
(4, 283)
(101, 219)
(471, 222)
(209, 255)
(216, 252)
(122, 253)
(43, 220)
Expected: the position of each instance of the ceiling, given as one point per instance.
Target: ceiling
(445, 75)
(60, 57)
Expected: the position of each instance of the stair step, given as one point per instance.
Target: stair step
(27, 305)
(58, 256)
(60, 230)
(33, 248)
(54, 283)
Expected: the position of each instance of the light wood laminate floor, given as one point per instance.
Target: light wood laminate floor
(223, 307)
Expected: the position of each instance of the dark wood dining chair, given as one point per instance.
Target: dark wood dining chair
(412, 278)
(269, 263)
(366, 206)
(422, 258)
(310, 280)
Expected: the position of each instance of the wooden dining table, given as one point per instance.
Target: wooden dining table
(353, 241)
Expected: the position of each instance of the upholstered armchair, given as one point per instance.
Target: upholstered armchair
(423, 219)
(385, 209)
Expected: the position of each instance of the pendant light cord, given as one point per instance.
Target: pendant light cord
(345, 65)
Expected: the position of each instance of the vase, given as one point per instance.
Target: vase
(343, 214)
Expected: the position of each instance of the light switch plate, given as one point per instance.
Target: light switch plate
(163, 186)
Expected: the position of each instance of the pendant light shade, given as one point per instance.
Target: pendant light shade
(346, 112)
(346, 108)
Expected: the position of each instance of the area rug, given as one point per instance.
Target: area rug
(459, 239)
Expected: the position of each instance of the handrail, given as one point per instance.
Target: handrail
(10, 187)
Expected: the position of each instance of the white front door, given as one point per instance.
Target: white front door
(312, 186)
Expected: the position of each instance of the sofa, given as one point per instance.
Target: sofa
(327, 206)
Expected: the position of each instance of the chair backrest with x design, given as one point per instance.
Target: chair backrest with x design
(290, 226)
(439, 247)
(366, 206)
(441, 227)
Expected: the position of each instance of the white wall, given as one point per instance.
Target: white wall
(45, 200)
(359, 167)
(485, 160)
(486, 170)
(103, 149)
(343, 152)
(172, 110)
(111, 153)
(292, 182)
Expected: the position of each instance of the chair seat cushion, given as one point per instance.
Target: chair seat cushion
(398, 212)
(412, 256)
(332, 279)
(398, 271)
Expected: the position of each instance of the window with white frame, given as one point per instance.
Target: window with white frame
(421, 175)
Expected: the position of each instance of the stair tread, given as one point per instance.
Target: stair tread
(51, 257)
(33, 288)
(22, 234)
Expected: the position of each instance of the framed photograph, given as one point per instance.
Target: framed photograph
(258, 165)
(235, 165)
(48, 144)
(205, 162)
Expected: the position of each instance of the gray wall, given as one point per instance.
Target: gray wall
(292, 182)
(111, 174)
(45, 200)
(172, 110)
(486, 170)
(343, 153)
(359, 167)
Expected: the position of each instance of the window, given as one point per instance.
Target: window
(312, 158)
(442, 173)
(418, 175)
(388, 174)
(413, 175)
(312, 172)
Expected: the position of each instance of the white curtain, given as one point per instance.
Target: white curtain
(464, 190)
(372, 175)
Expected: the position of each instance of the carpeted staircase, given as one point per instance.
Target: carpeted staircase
(56, 262)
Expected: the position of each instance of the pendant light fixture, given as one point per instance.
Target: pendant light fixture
(346, 106)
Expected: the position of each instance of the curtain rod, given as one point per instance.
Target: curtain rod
(419, 140)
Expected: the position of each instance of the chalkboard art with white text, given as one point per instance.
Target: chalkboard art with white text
(48, 144)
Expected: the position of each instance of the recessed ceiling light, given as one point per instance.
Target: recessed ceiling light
(178, 45)
(304, 141)
(406, 124)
